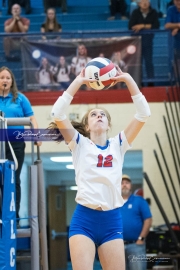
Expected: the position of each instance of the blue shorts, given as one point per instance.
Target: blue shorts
(99, 226)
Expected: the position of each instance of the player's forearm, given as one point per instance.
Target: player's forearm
(140, 102)
(74, 87)
(132, 86)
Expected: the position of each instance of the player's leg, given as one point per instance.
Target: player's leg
(111, 255)
(82, 237)
(82, 251)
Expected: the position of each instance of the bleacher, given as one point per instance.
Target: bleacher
(83, 16)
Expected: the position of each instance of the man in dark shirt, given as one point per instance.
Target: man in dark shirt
(145, 18)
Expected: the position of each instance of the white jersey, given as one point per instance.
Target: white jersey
(63, 75)
(44, 77)
(98, 171)
(79, 63)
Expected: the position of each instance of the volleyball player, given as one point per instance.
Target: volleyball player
(98, 163)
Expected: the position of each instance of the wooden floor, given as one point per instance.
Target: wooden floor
(97, 266)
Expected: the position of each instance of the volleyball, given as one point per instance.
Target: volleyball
(102, 70)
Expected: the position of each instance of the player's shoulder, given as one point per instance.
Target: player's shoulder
(119, 138)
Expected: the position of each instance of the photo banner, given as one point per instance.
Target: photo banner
(52, 64)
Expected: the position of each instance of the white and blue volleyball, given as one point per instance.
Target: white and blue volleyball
(102, 70)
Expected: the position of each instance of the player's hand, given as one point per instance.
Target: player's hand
(120, 76)
(81, 77)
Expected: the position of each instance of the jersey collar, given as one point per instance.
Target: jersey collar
(103, 147)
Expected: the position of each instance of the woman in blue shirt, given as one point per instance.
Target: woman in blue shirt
(14, 104)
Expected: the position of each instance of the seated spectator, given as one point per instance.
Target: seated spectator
(173, 23)
(80, 60)
(118, 6)
(16, 24)
(44, 75)
(117, 59)
(61, 73)
(23, 3)
(145, 18)
(56, 3)
(51, 24)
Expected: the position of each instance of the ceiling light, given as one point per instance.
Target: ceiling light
(61, 159)
(70, 166)
(73, 188)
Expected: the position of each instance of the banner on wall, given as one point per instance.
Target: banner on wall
(52, 64)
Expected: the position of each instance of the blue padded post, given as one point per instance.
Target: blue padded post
(7, 216)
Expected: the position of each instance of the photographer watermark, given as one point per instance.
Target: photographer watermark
(22, 134)
(135, 258)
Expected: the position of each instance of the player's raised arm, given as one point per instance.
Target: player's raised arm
(61, 105)
(141, 105)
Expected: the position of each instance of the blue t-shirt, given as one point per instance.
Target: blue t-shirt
(134, 212)
(173, 16)
(21, 107)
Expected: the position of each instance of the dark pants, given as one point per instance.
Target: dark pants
(118, 6)
(147, 55)
(18, 148)
(26, 4)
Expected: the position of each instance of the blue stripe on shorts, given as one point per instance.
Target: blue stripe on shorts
(99, 226)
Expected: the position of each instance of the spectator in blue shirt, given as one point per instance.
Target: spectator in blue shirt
(14, 104)
(137, 220)
(173, 23)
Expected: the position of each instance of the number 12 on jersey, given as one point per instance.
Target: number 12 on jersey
(104, 161)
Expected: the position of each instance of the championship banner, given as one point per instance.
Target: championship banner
(7, 216)
(52, 64)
